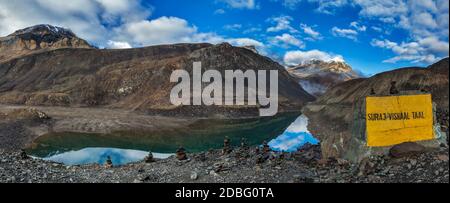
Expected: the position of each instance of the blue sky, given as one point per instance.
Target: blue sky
(372, 36)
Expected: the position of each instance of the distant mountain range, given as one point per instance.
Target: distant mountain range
(51, 66)
(317, 76)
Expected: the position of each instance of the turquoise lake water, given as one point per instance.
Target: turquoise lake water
(286, 132)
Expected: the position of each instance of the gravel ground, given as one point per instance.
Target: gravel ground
(241, 165)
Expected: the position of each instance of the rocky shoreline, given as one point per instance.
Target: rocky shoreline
(242, 164)
(406, 163)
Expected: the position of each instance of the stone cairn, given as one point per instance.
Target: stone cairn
(242, 152)
(109, 163)
(257, 150)
(266, 147)
(393, 90)
(181, 153)
(149, 158)
(23, 154)
(264, 154)
(226, 146)
(244, 144)
(426, 89)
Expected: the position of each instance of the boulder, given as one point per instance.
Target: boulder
(406, 149)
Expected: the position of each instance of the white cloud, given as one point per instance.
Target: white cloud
(291, 4)
(323, 6)
(378, 29)
(170, 30)
(85, 17)
(424, 21)
(241, 4)
(421, 18)
(412, 58)
(424, 4)
(302, 57)
(358, 27)
(232, 27)
(163, 30)
(387, 19)
(252, 30)
(381, 8)
(219, 11)
(241, 42)
(435, 46)
(118, 45)
(281, 23)
(123, 10)
(131, 27)
(245, 42)
(327, 6)
(108, 23)
(286, 40)
(314, 35)
(119, 23)
(423, 50)
(347, 33)
(401, 49)
(299, 125)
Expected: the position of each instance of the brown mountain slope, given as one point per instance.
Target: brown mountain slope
(136, 79)
(337, 118)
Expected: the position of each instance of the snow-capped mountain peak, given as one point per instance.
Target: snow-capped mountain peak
(44, 29)
(38, 37)
(317, 76)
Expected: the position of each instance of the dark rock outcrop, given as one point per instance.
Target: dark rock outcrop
(406, 149)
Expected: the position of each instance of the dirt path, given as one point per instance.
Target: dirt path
(102, 120)
(17, 133)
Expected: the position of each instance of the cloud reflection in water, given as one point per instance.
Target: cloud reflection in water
(99, 155)
(295, 136)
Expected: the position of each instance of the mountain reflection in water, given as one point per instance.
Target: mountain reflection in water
(100, 155)
(295, 136)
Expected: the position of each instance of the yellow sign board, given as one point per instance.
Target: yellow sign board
(393, 120)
